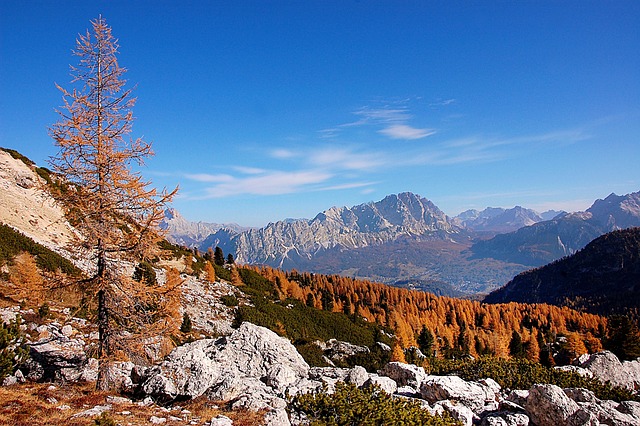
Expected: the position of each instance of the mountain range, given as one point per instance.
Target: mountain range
(546, 241)
(407, 240)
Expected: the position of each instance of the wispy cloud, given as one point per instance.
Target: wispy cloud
(344, 159)
(268, 183)
(283, 153)
(443, 102)
(402, 131)
(205, 177)
(392, 120)
(475, 149)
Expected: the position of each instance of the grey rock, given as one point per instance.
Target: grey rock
(67, 330)
(630, 407)
(385, 383)
(95, 411)
(505, 419)
(111, 399)
(518, 397)
(58, 360)
(580, 395)
(357, 376)
(610, 413)
(337, 350)
(575, 369)
(221, 420)
(607, 367)
(277, 417)
(473, 395)
(404, 374)
(250, 351)
(458, 411)
(548, 405)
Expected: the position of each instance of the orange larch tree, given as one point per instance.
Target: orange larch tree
(115, 210)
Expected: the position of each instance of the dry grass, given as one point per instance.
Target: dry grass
(40, 404)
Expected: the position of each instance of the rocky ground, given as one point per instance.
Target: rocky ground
(251, 369)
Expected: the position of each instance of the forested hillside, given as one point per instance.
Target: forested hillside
(458, 326)
(602, 278)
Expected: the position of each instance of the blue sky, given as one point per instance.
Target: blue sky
(264, 110)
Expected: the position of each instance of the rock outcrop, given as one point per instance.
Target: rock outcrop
(608, 368)
(252, 368)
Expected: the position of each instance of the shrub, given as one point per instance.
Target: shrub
(104, 419)
(186, 326)
(12, 355)
(145, 272)
(522, 374)
(229, 300)
(44, 310)
(363, 407)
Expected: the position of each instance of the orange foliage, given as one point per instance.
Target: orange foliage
(485, 326)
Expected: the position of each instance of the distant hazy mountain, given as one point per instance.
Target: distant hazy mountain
(603, 278)
(497, 220)
(547, 241)
(190, 234)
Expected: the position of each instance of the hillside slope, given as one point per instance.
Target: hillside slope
(27, 206)
(603, 278)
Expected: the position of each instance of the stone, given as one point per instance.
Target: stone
(58, 360)
(118, 400)
(518, 397)
(67, 331)
(221, 420)
(337, 350)
(277, 417)
(385, 383)
(187, 372)
(250, 351)
(459, 412)
(157, 420)
(9, 380)
(607, 368)
(404, 374)
(548, 405)
(92, 412)
(505, 419)
(259, 352)
(610, 413)
(357, 376)
(575, 369)
(472, 395)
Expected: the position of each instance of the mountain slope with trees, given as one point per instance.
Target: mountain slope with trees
(603, 278)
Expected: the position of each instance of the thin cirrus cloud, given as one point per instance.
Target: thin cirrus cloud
(402, 131)
(269, 183)
(323, 170)
(392, 121)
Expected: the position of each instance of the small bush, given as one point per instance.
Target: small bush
(229, 300)
(145, 272)
(186, 326)
(12, 355)
(364, 407)
(522, 374)
(44, 310)
(104, 419)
